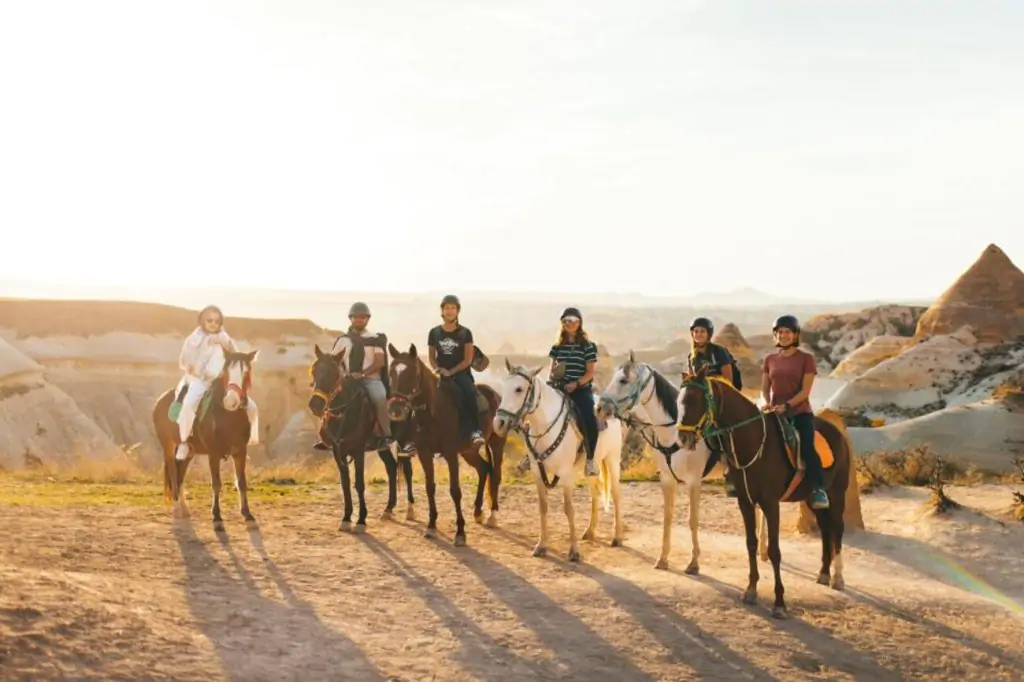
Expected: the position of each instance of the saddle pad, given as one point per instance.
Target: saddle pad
(174, 410)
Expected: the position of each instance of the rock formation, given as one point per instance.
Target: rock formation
(833, 337)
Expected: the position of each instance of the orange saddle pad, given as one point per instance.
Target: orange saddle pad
(824, 450)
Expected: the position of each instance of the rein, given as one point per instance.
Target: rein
(708, 425)
(410, 400)
(518, 423)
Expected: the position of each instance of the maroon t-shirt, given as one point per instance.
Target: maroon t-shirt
(786, 376)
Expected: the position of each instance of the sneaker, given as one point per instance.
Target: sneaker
(181, 454)
(320, 445)
(477, 438)
(524, 466)
(730, 489)
(407, 450)
(819, 499)
(591, 468)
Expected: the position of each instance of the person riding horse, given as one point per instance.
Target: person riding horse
(786, 389)
(451, 356)
(203, 363)
(366, 359)
(579, 355)
(718, 363)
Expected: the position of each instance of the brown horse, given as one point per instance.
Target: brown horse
(417, 394)
(220, 431)
(348, 423)
(763, 471)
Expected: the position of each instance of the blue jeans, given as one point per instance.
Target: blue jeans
(584, 399)
(804, 424)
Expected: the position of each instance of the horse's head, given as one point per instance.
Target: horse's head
(623, 390)
(518, 391)
(326, 374)
(405, 378)
(696, 407)
(237, 377)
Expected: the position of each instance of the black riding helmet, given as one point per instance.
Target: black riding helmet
(359, 308)
(787, 322)
(703, 323)
(452, 298)
(571, 312)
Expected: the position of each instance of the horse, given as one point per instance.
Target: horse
(545, 415)
(347, 424)
(765, 472)
(648, 402)
(420, 396)
(221, 430)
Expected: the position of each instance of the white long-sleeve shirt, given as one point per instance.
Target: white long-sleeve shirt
(201, 356)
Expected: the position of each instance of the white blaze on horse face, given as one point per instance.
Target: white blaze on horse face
(236, 378)
(399, 367)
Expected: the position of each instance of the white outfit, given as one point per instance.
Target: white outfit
(202, 360)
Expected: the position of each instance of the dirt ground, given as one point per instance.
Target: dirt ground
(98, 583)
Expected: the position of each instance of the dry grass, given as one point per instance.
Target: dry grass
(1018, 497)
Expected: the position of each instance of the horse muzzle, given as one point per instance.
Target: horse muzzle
(398, 410)
(605, 409)
(502, 425)
(232, 401)
(687, 439)
(316, 405)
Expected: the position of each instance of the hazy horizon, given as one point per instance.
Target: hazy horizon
(846, 151)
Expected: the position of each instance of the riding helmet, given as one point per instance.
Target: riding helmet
(787, 322)
(572, 312)
(359, 308)
(703, 323)
(452, 298)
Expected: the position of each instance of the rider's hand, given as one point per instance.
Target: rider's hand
(444, 372)
(571, 386)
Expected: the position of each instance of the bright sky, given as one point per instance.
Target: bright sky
(848, 149)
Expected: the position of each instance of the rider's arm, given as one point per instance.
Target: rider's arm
(466, 361)
(433, 358)
(591, 357)
(810, 369)
(189, 359)
(766, 384)
(376, 365)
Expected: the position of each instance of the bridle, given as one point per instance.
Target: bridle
(517, 422)
(624, 406)
(410, 401)
(243, 390)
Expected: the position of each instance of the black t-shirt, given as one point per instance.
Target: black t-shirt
(714, 356)
(451, 346)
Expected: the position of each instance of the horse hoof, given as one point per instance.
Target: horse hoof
(588, 535)
(410, 514)
(574, 556)
(780, 613)
(478, 517)
(345, 526)
(218, 526)
(250, 522)
(430, 533)
(460, 541)
(540, 551)
(692, 569)
(492, 521)
(360, 528)
(387, 515)
(838, 583)
(823, 578)
(661, 564)
(616, 542)
(750, 597)
(764, 558)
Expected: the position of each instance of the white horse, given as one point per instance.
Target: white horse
(555, 445)
(646, 400)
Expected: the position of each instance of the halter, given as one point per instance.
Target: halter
(409, 400)
(708, 427)
(531, 403)
(243, 390)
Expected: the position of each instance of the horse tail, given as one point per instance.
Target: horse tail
(604, 484)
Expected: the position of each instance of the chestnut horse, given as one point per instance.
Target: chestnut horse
(221, 430)
(763, 473)
(347, 423)
(419, 395)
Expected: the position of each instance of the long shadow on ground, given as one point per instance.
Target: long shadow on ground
(257, 638)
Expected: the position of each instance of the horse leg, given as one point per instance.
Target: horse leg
(478, 502)
(455, 489)
(750, 526)
(595, 493)
(177, 471)
(570, 514)
(668, 494)
(825, 529)
(242, 486)
(762, 535)
(541, 548)
(771, 515)
(694, 567)
(218, 522)
(427, 461)
(410, 511)
(838, 526)
(391, 467)
(494, 479)
(346, 490)
(360, 466)
(614, 472)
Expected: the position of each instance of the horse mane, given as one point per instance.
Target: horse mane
(667, 394)
(728, 389)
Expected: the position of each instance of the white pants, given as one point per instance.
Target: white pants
(197, 388)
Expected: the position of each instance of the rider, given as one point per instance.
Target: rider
(202, 365)
(718, 363)
(579, 353)
(451, 355)
(364, 359)
(786, 389)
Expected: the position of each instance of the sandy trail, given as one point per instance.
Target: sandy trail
(112, 592)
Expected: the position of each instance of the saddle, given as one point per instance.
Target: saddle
(174, 409)
(791, 439)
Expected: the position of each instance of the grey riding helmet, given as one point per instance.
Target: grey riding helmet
(359, 308)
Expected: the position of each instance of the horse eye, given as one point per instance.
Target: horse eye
(622, 380)
(519, 389)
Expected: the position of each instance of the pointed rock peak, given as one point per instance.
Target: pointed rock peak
(730, 335)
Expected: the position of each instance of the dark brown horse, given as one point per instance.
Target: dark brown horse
(348, 423)
(763, 472)
(417, 394)
(220, 431)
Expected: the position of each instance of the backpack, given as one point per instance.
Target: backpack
(480, 361)
(716, 350)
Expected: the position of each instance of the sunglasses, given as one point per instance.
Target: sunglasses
(570, 320)
(213, 320)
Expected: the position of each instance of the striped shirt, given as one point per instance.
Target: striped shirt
(575, 356)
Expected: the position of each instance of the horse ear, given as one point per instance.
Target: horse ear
(316, 349)
(632, 356)
(339, 355)
(537, 371)
(251, 355)
(412, 350)
(392, 350)
(508, 366)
